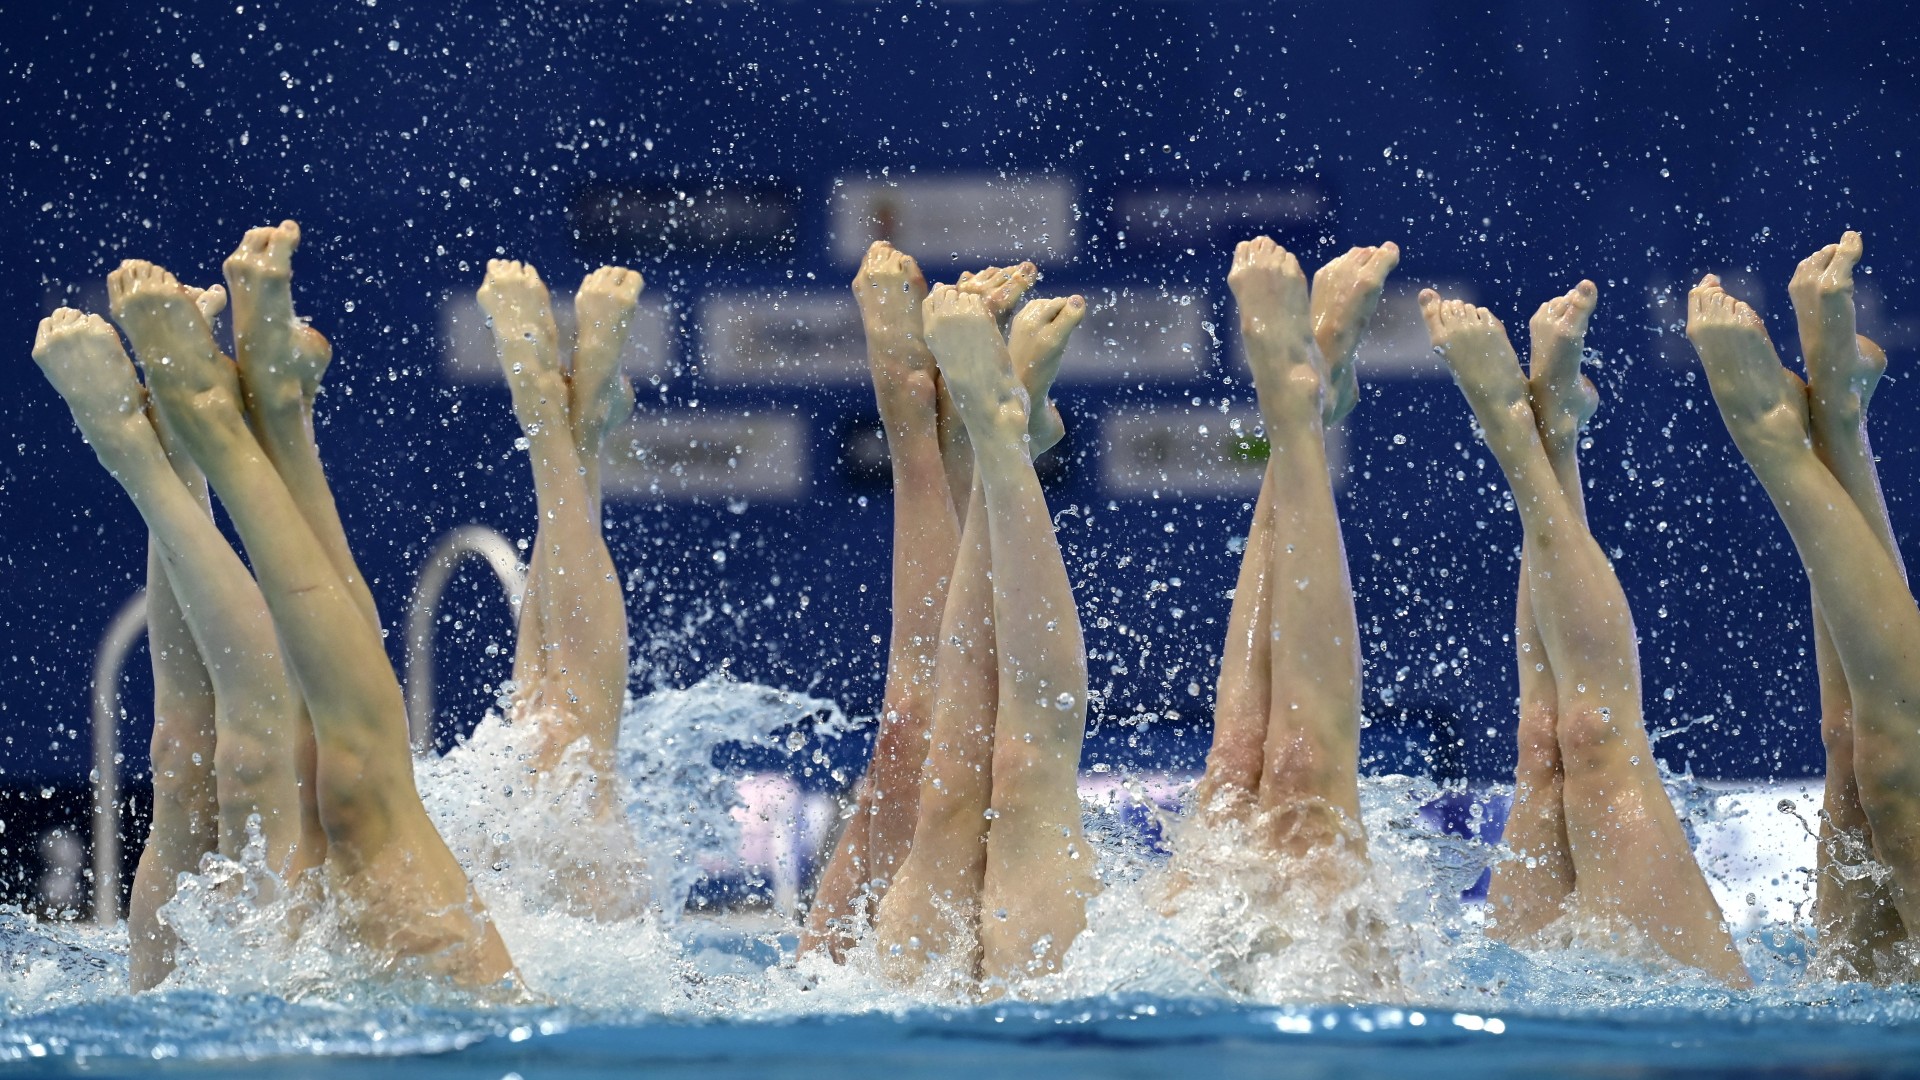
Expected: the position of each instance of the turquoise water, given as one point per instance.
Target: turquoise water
(1234, 976)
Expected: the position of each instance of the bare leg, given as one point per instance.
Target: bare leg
(1531, 890)
(1857, 916)
(890, 291)
(281, 360)
(932, 913)
(186, 804)
(1039, 869)
(1003, 288)
(578, 678)
(1872, 621)
(1630, 855)
(1243, 695)
(256, 712)
(411, 901)
(1346, 291)
(600, 398)
(185, 809)
(1309, 781)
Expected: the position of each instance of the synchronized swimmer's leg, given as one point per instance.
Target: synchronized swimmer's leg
(186, 806)
(1857, 916)
(1870, 617)
(280, 360)
(1630, 855)
(410, 900)
(256, 712)
(933, 912)
(890, 292)
(1310, 755)
(1039, 868)
(572, 675)
(1531, 890)
(1345, 293)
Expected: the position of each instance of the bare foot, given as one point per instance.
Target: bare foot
(1764, 405)
(1288, 371)
(1485, 367)
(891, 292)
(1841, 375)
(281, 358)
(1563, 399)
(1346, 292)
(600, 394)
(1037, 342)
(81, 356)
(211, 300)
(975, 364)
(194, 386)
(1003, 287)
(521, 312)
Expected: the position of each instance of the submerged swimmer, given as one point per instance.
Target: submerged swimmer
(248, 428)
(1807, 444)
(993, 881)
(1590, 812)
(1286, 733)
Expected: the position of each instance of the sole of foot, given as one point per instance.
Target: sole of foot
(1271, 291)
(601, 395)
(1485, 367)
(521, 311)
(974, 363)
(1840, 378)
(891, 292)
(1563, 399)
(1764, 404)
(1037, 341)
(1346, 293)
(81, 356)
(281, 358)
(889, 289)
(194, 386)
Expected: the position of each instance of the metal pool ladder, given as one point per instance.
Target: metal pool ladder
(130, 622)
(457, 544)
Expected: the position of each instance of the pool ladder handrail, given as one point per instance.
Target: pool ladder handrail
(130, 622)
(454, 546)
(122, 632)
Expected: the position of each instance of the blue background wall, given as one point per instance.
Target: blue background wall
(1506, 144)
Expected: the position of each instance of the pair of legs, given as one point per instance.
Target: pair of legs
(1624, 856)
(334, 787)
(1807, 443)
(1287, 708)
(993, 873)
(571, 652)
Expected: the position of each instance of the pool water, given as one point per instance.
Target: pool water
(1239, 977)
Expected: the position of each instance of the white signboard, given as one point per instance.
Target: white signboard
(469, 355)
(688, 455)
(1180, 450)
(952, 222)
(1167, 217)
(1132, 336)
(782, 338)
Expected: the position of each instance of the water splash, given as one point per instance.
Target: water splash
(1393, 931)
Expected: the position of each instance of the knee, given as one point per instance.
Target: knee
(245, 764)
(1590, 734)
(181, 761)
